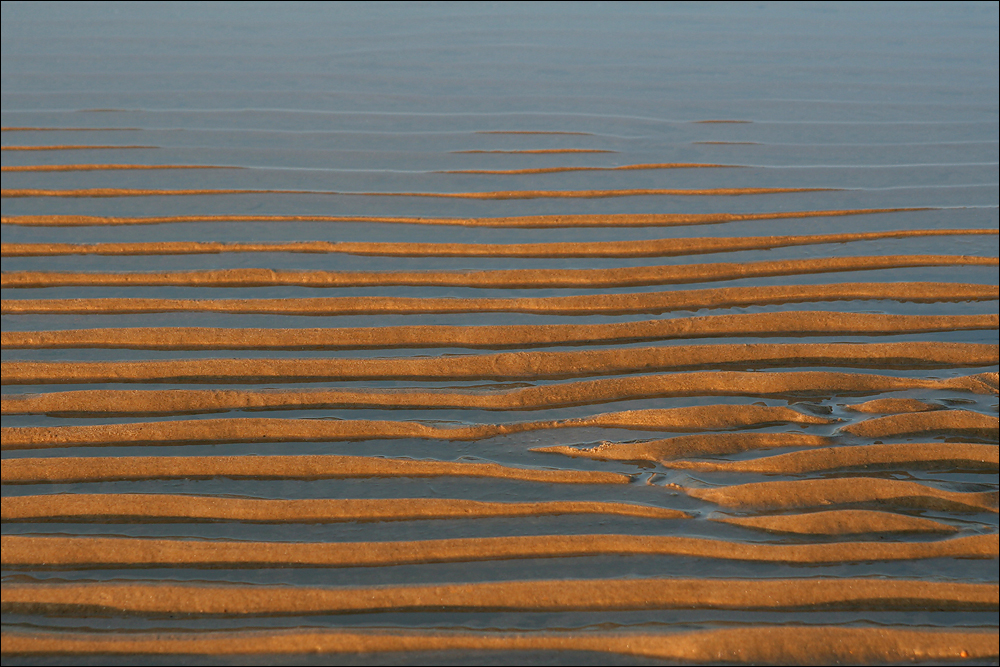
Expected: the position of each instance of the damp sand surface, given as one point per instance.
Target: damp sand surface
(467, 365)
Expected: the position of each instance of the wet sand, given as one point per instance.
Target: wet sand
(527, 221)
(809, 645)
(252, 408)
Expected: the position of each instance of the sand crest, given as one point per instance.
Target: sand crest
(148, 507)
(610, 304)
(911, 455)
(528, 365)
(806, 645)
(844, 491)
(255, 429)
(113, 468)
(645, 248)
(559, 595)
(127, 552)
(840, 522)
(526, 221)
(588, 392)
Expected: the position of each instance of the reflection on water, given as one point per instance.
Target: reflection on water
(717, 434)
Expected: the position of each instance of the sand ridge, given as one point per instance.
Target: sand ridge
(640, 302)
(510, 279)
(960, 456)
(645, 248)
(30, 470)
(267, 429)
(559, 595)
(134, 552)
(839, 522)
(533, 365)
(605, 390)
(146, 507)
(667, 449)
(956, 422)
(525, 221)
(844, 491)
(759, 325)
(806, 645)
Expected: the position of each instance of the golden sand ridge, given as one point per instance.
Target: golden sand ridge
(887, 406)
(955, 422)
(605, 390)
(267, 429)
(327, 466)
(559, 595)
(525, 221)
(843, 491)
(805, 645)
(839, 522)
(135, 552)
(667, 449)
(109, 167)
(590, 304)
(147, 507)
(499, 194)
(512, 278)
(645, 248)
(787, 323)
(960, 456)
(507, 365)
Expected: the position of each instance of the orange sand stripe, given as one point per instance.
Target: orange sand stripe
(628, 167)
(87, 552)
(533, 365)
(789, 323)
(502, 194)
(512, 278)
(956, 422)
(950, 455)
(67, 148)
(109, 167)
(528, 221)
(754, 645)
(842, 491)
(561, 595)
(538, 151)
(103, 469)
(688, 445)
(590, 304)
(142, 507)
(258, 429)
(646, 248)
(714, 383)
(893, 406)
(840, 522)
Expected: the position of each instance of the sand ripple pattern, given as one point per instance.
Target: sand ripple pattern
(703, 390)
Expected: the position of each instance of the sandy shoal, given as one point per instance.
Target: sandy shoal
(806, 645)
(89, 552)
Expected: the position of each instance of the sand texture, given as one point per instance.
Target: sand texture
(506, 333)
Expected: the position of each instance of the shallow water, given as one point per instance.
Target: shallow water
(351, 107)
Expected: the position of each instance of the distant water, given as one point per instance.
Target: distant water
(756, 244)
